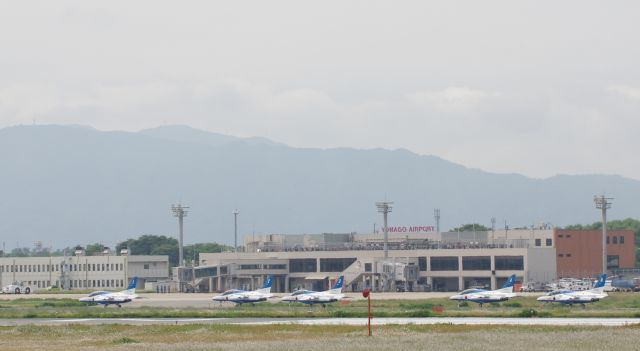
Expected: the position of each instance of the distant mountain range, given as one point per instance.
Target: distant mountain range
(64, 185)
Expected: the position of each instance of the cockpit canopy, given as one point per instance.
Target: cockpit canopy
(96, 293)
(471, 291)
(558, 292)
(232, 291)
(300, 292)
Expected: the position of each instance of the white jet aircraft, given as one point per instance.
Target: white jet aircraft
(482, 296)
(107, 298)
(241, 296)
(318, 297)
(571, 297)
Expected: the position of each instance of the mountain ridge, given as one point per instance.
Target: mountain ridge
(71, 185)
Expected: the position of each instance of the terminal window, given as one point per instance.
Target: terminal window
(549, 242)
(621, 239)
(335, 264)
(422, 263)
(445, 263)
(615, 239)
(507, 263)
(538, 242)
(303, 265)
(476, 263)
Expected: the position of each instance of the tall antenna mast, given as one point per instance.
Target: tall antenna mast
(235, 229)
(493, 230)
(436, 215)
(384, 208)
(180, 212)
(603, 203)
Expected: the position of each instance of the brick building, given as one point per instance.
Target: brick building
(579, 252)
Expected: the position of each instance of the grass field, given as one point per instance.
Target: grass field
(296, 337)
(616, 305)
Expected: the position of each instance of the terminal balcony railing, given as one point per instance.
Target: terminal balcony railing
(395, 245)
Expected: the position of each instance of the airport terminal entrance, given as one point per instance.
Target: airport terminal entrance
(445, 284)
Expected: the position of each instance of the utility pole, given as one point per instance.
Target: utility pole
(180, 212)
(436, 215)
(603, 203)
(384, 208)
(235, 230)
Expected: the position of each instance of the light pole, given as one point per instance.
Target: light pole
(384, 208)
(180, 212)
(235, 229)
(603, 203)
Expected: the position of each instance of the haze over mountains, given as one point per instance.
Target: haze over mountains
(64, 185)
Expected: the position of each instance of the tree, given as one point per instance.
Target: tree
(470, 228)
(94, 249)
(152, 245)
(193, 251)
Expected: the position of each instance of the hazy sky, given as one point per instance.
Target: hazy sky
(533, 87)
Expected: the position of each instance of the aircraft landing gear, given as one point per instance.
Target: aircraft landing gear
(119, 306)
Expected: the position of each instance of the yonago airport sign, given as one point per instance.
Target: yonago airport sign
(412, 229)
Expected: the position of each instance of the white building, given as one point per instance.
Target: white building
(417, 261)
(82, 272)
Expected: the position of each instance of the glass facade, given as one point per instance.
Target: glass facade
(445, 263)
(509, 263)
(303, 265)
(335, 264)
(476, 263)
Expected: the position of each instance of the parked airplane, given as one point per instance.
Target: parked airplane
(318, 297)
(571, 297)
(241, 296)
(482, 296)
(107, 298)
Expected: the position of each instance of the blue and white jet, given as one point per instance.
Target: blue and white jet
(107, 298)
(309, 297)
(571, 297)
(242, 296)
(482, 296)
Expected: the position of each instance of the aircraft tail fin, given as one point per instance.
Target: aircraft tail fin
(266, 287)
(337, 287)
(598, 287)
(601, 281)
(267, 282)
(507, 287)
(510, 282)
(131, 288)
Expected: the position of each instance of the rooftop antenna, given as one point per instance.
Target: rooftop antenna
(603, 203)
(436, 215)
(180, 212)
(384, 207)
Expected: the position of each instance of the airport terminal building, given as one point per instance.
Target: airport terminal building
(417, 260)
(80, 272)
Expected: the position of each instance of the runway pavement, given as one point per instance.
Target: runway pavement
(608, 322)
